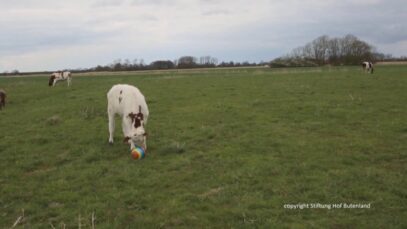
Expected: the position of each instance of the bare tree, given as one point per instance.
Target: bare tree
(162, 64)
(324, 50)
(208, 61)
(187, 62)
(333, 51)
(320, 49)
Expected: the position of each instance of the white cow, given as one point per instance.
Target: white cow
(60, 76)
(367, 67)
(129, 103)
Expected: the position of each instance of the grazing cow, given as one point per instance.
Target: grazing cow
(129, 103)
(367, 67)
(2, 98)
(60, 76)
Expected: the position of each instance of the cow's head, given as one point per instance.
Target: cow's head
(137, 132)
(51, 79)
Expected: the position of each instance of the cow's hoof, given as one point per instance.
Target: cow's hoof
(111, 143)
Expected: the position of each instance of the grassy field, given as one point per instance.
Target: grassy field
(227, 149)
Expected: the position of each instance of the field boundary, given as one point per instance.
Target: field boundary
(157, 71)
(392, 63)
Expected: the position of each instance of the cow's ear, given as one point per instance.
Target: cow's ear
(126, 140)
(131, 115)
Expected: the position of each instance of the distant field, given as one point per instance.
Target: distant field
(392, 63)
(227, 149)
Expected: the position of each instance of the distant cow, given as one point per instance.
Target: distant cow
(2, 98)
(130, 104)
(367, 67)
(60, 76)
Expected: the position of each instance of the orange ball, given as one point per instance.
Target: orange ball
(138, 153)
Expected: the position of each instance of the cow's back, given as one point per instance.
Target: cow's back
(124, 98)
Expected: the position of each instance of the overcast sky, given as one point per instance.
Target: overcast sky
(38, 35)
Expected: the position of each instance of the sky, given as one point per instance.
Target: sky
(39, 35)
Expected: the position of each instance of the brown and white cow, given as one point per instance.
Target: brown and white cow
(3, 96)
(367, 67)
(128, 102)
(60, 76)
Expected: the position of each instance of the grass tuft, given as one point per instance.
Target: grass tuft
(174, 148)
(53, 120)
(88, 113)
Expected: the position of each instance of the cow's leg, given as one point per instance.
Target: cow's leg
(2, 101)
(69, 81)
(55, 82)
(111, 125)
(145, 143)
(132, 146)
(126, 127)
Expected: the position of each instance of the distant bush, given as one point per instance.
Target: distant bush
(162, 64)
(348, 50)
(292, 62)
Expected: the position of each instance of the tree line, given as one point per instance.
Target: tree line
(347, 50)
(184, 62)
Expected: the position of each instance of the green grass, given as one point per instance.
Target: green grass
(227, 149)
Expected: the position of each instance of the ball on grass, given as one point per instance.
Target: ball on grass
(138, 153)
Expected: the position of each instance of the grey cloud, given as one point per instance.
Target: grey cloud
(25, 40)
(215, 12)
(162, 29)
(10, 4)
(148, 17)
(150, 2)
(108, 3)
(380, 22)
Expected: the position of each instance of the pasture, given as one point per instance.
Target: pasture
(227, 149)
